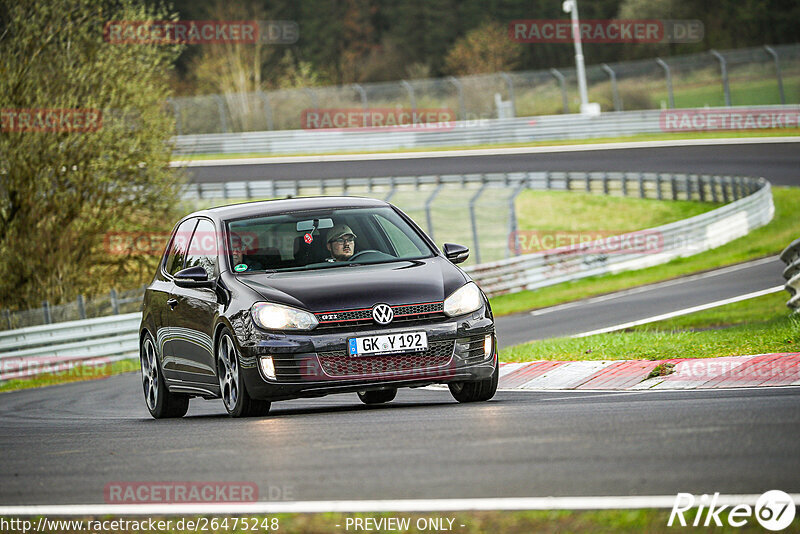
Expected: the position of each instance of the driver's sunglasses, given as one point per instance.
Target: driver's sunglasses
(343, 240)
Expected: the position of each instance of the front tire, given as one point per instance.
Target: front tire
(476, 390)
(160, 402)
(237, 401)
(379, 396)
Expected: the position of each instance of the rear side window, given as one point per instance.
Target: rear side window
(203, 248)
(179, 246)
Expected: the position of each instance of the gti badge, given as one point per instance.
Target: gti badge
(382, 313)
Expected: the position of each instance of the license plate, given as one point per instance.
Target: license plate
(392, 343)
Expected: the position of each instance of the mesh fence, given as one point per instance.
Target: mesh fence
(696, 81)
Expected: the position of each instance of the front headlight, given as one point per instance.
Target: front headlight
(279, 317)
(463, 300)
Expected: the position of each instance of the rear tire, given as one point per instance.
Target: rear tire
(237, 401)
(379, 396)
(476, 390)
(159, 401)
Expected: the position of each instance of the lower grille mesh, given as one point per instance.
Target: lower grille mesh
(339, 363)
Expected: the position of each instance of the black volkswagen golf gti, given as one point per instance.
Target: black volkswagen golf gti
(305, 297)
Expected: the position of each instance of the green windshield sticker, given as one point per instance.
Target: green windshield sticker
(241, 267)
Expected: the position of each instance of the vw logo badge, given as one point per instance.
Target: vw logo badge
(382, 313)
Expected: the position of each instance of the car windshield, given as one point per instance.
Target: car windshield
(322, 239)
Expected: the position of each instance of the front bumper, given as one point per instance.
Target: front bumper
(317, 363)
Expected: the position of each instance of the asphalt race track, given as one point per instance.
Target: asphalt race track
(62, 445)
(640, 303)
(777, 162)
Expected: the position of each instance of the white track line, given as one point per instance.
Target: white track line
(654, 286)
(482, 151)
(684, 311)
(623, 502)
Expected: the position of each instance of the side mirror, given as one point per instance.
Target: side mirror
(456, 253)
(193, 277)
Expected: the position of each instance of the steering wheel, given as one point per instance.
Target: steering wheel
(368, 251)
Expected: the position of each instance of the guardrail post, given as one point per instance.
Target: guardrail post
(725, 194)
(701, 189)
(223, 118)
(510, 85)
(392, 189)
(112, 295)
(248, 190)
(412, 97)
(548, 181)
(588, 182)
(771, 51)
(641, 185)
(714, 181)
(46, 312)
(562, 82)
(605, 183)
(312, 95)
(267, 109)
(658, 186)
(674, 186)
(177, 110)
(512, 218)
(614, 92)
(460, 88)
(363, 94)
(723, 66)
(670, 96)
(688, 183)
(428, 203)
(472, 202)
(81, 307)
(624, 184)
(568, 180)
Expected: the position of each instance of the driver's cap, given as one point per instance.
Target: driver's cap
(338, 231)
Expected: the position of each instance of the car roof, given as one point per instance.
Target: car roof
(277, 207)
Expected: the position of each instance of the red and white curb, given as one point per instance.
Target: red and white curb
(781, 369)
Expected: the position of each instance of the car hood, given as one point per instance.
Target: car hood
(344, 288)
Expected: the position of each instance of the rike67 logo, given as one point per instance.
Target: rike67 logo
(774, 510)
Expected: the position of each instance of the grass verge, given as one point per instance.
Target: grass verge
(756, 326)
(783, 132)
(78, 373)
(765, 241)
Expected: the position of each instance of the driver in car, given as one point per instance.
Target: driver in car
(341, 243)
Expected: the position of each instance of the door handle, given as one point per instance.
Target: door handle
(172, 303)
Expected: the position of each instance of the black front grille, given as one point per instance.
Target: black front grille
(340, 364)
(402, 313)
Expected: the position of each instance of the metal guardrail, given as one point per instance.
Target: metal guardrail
(679, 239)
(791, 257)
(463, 133)
(55, 348)
(33, 350)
